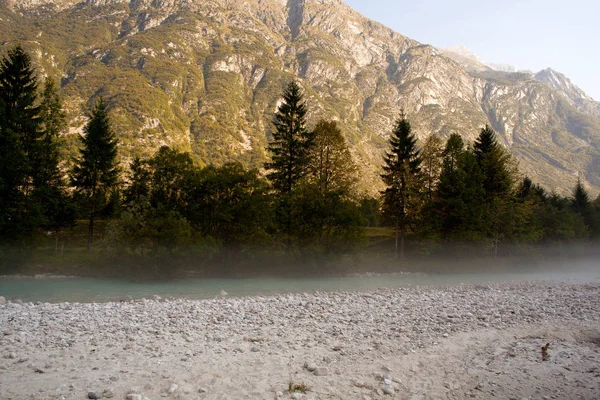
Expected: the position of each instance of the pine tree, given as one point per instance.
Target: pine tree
(19, 134)
(496, 164)
(289, 150)
(458, 196)
(291, 142)
(96, 172)
(401, 175)
(580, 199)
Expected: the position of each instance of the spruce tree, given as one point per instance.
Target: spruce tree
(494, 162)
(401, 176)
(496, 165)
(19, 134)
(291, 142)
(580, 199)
(290, 157)
(96, 172)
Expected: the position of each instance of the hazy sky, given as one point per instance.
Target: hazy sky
(530, 34)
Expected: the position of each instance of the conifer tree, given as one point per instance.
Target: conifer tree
(96, 172)
(289, 150)
(19, 134)
(494, 162)
(496, 165)
(291, 142)
(401, 176)
(580, 199)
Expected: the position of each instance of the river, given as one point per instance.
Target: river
(71, 289)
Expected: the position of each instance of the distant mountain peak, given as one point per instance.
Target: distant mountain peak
(560, 82)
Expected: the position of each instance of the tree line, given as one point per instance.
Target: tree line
(305, 206)
(459, 194)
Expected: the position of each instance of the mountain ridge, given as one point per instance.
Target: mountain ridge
(207, 76)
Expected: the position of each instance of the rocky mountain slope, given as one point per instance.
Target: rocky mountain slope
(206, 75)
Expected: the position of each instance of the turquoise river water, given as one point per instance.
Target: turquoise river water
(61, 289)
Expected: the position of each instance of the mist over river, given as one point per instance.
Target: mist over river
(76, 289)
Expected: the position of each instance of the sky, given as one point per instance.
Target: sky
(529, 34)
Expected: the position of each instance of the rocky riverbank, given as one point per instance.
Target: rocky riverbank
(456, 342)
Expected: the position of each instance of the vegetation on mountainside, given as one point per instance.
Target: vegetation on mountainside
(204, 77)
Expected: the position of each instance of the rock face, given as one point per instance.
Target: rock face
(206, 76)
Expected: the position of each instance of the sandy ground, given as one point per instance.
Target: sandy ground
(459, 342)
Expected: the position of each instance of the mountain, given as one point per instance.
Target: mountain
(576, 97)
(466, 58)
(206, 76)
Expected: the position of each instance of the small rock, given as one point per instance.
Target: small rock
(108, 393)
(310, 367)
(297, 396)
(114, 378)
(279, 394)
(254, 349)
(173, 388)
(379, 392)
(134, 396)
(337, 348)
(94, 395)
(156, 297)
(388, 389)
(202, 390)
(321, 371)
(2, 300)
(223, 293)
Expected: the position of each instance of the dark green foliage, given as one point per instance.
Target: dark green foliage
(32, 187)
(401, 198)
(326, 218)
(370, 211)
(458, 201)
(580, 200)
(330, 164)
(232, 205)
(172, 172)
(19, 134)
(325, 223)
(494, 163)
(227, 208)
(50, 188)
(291, 142)
(96, 173)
